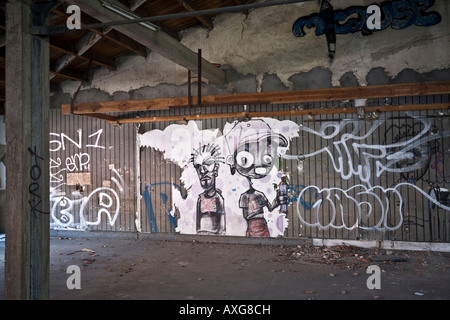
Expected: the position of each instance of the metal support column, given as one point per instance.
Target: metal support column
(199, 83)
(199, 94)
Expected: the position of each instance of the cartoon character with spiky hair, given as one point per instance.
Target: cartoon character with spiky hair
(210, 204)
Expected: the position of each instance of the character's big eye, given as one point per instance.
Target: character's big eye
(267, 159)
(244, 159)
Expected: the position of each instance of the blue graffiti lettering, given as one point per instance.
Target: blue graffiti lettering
(353, 24)
(164, 197)
(308, 198)
(398, 14)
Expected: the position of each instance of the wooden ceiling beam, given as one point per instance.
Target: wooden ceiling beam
(76, 76)
(96, 60)
(296, 96)
(81, 47)
(134, 4)
(159, 42)
(123, 41)
(116, 38)
(189, 6)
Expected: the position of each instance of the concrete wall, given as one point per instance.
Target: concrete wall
(261, 53)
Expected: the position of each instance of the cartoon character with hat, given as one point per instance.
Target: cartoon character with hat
(252, 147)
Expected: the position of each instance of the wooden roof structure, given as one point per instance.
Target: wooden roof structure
(75, 54)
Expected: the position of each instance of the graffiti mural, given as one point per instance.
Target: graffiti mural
(405, 154)
(149, 204)
(230, 175)
(72, 205)
(210, 204)
(253, 152)
(348, 174)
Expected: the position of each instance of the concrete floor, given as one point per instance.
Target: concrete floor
(120, 267)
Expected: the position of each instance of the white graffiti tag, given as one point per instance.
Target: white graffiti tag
(107, 199)
(80, 209)
(357, 207)
(103, 201)
(371, 158)
(368, 206)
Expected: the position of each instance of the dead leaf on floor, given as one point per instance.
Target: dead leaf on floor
(128, 270)
(92, 252)
(88, 261)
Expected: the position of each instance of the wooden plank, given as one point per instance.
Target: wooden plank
(101, 116)
(159, 42)
(297, 96)
(120, 106)
(283, 113)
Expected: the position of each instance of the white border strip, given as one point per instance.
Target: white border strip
(386, 244)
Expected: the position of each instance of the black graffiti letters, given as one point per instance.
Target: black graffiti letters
(397, 14)
(34, 189)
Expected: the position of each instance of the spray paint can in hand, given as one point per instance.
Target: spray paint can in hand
(282, 195)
